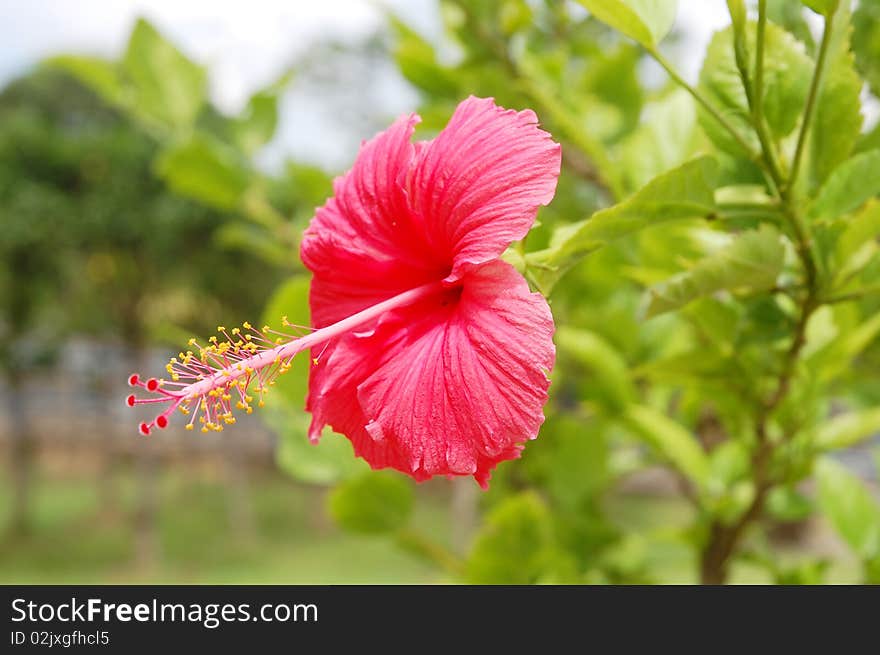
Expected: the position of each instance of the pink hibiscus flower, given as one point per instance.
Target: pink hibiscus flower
(431, 354)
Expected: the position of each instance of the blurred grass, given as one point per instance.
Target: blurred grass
(76, 540)
(79, 538)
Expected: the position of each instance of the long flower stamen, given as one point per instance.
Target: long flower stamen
(210, 382)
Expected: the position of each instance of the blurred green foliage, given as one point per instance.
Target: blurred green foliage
(711, 259)
(116, 252)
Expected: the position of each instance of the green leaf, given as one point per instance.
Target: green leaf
(373, 503)
(665, 138)
(730, 463)
(256, 125)
(515, 545)
(671, 440)
(100, 75)
(848, 429)
(255, 241)
(848, 187)
(328, 462)
(862, 230)
(168, 87)
(203, 168)
(644, 21)
(849, 505)
(787, 504)
(787, 74)
(611, 85)
(869, 140)
(834, 358)
(738, 16)
(837, 119)
(578, 467)
(737, 10)
(866, 42)
(824, 7)
(332, 459)
(789, 14)
(752, 262)
(418, 63)
(291, 299)
(683, 192)
(605, 363)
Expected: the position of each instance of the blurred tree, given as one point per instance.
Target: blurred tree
(91, 234)
(34, 252)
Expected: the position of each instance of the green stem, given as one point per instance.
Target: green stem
(854, 295)
(811, 100)
(759, 58)
(724, 539)
(678, 79)
(757, 103)
(733, 214)
(419, 545)
(767, 207)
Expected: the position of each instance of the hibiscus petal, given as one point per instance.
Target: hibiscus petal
(364, 245)
(452, 385)
(479, 184)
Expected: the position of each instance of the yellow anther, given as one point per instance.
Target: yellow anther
(284, 321)
(262, 403)
(220, 328)
(315, 361)
(265, 328)
(246, 325)
(236, 330)
(189, 426)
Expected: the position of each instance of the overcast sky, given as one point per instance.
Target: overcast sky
(246, 45)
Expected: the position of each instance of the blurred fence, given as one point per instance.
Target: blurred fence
(79, 405)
